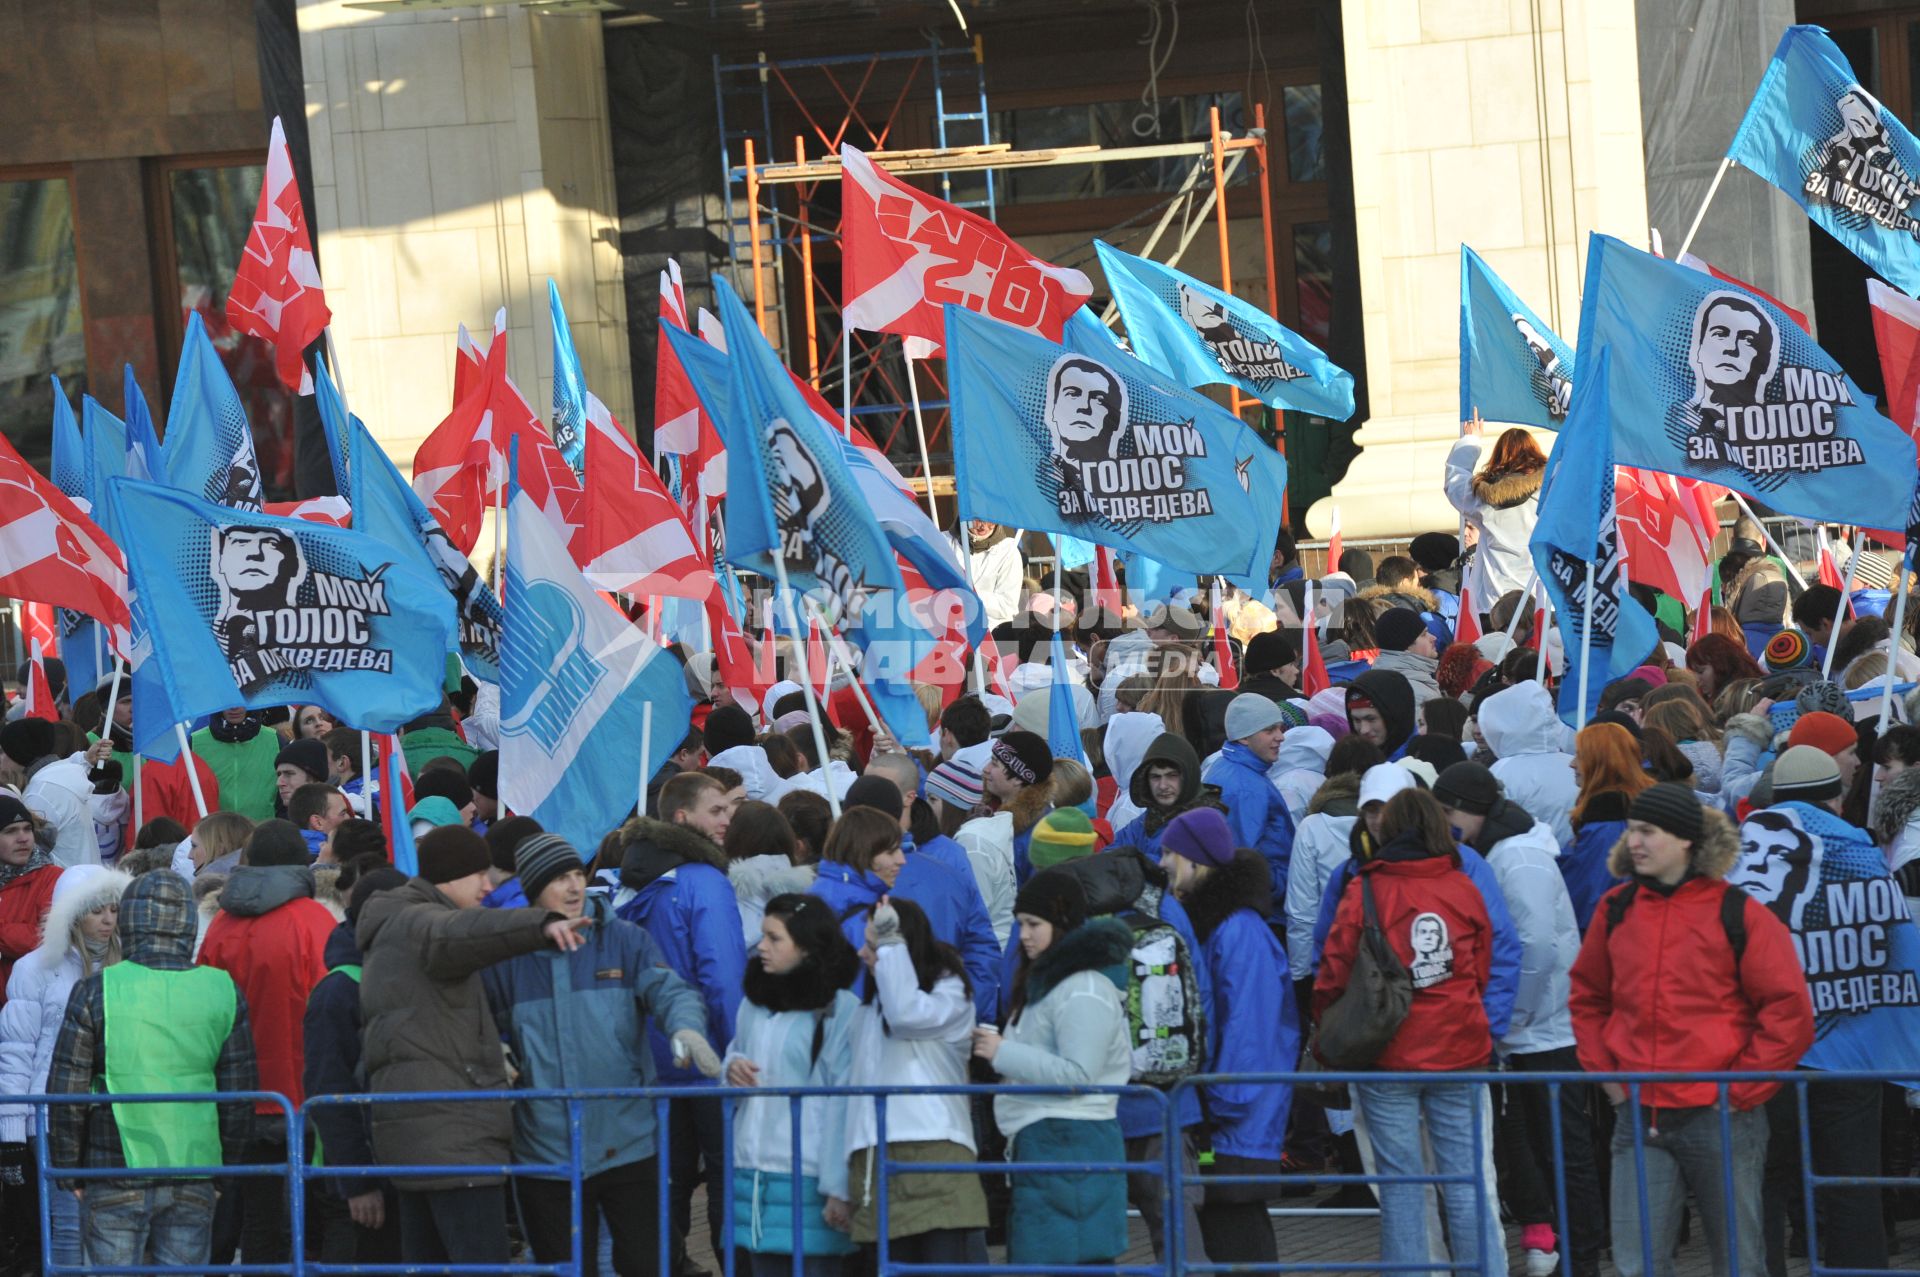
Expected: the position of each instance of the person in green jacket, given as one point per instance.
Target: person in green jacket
(432, 736)
(241, 753)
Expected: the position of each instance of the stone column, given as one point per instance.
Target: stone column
(1510, 125)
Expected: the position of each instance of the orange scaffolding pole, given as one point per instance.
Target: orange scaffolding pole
(753, 229)
(1220, 217)
(806, 267)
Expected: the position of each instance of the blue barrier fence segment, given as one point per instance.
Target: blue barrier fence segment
(1723, 1109)
(1170, 1167)
(1560, 1177)
(663, 1137)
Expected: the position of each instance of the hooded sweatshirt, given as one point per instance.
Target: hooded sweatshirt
(271, 937)
(1392, 695)
(1301, 768)
(1422, 675)
(1525, 735)
(1128, 736)
(1144, 831)
(1525, 860)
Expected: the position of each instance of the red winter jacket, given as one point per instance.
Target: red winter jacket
(1659, 994)
(271, 937)
(1426, 900)
(23, 903)
(166, 791)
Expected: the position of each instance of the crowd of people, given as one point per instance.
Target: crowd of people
(1223, 865)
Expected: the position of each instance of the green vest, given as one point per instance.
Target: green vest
(165, 1031)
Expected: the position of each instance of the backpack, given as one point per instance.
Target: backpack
(1166, 1024)
(1733, 916)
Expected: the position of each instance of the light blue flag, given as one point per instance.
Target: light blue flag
(1073, 553)
(1101, 447)
(399, 830)
(1063, 722)
(105, 458)
(1829, 883)
(1711, 380)
(1513, 368)
(1577, 526)
(795, 494)
(569, 389)
(1151, 583)
(386, 508)
(576, 678)
(333, 424)
(1193, 331)
(1815, 133)
(69, 467)
(143, 445)
(209, 446)
(241, 608)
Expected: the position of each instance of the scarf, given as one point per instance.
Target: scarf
(40, 859)
(234, 733)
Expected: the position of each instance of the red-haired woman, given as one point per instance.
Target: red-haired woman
(1501, 500)
(1718, 662)
(1606, 763)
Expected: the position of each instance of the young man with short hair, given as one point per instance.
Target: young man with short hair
(316, 810)
(1255, 809)
(1017, 776)
(964, 726)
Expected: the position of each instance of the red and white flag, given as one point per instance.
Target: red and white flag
(50, 552)
(1667, 525)
(1314, 678)
(1333, 543)
(40, 623)
(1896, 330)
(908, 254)
(39, 688)
(469, 364)
(1223, 648)
(1466, 625)
(328, 510)
(276, 293)
(1708, 268)
(677, 415)
(632, 538)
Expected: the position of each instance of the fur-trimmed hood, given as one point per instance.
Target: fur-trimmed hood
(811, 986)
(1712, 856)
(1099, 944)
(79, 891)
(1406, 594)
(1245, 882)
(1029, 805)
(1898, 802)
(657, 847)
(1757, 728)
(1338, 795)
(1509, 489)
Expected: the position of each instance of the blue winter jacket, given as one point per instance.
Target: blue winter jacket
(508, 895)
(1503, 978)
(578, 1020)
(673, 882)
(1256, 811)
(1257, 1031)
(1583, 862)
(976, 943)
(940, 894)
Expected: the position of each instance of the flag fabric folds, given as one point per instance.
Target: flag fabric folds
(1100, 447)
(1896, 331)
(1713, 382)
(1513, 368)
(276, 294)
(1063, 721)
(633, 538)
(52, 552)
(39, 698)
(1667, 527)
(241, 608)
(576, 677)
(393, 788)
(209, 447)
(908, 254)
(1203, 336)
(1578, 526)
(69, 468)
(569, 388)
(1813, 131)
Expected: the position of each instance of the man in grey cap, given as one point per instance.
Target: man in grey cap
(1255, 809)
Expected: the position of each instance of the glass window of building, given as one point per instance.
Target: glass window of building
(42, 333)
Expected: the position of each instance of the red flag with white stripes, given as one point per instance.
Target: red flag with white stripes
(39, 623)
(632, 538)
(469, 364)
(276, 294)
(50, 552)
(1667, 525)
(333, 511)
(39, 689)
(1333, 543)
(1313, 666)
(1466, 626)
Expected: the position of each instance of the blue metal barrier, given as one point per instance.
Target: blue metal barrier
(1168, 1167)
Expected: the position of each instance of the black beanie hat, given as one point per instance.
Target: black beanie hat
(1268, 650)
(1025, 756)
(12, 810)
(1055, 895)
(1398, 628)
(27, 740)
(878, 793)
(727, 726)
(385, 878)
(1671, 807)
(483, 773)
(506, 835)
(1357, 564)
(1434, 551)
(308, 754)
(1467, 787)
(443, 782)
(452, 852)
(276, 842)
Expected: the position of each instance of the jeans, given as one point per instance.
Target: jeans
(1843, 1119)
(696, 1152)
(1450, 1114)
(1683, 1152)
(453, 1226)
(628, 1197)
(156, 1222)
(1525, 1136)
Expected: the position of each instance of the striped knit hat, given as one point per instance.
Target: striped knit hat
(541, 858)
(1063, 834)
(1787, 650)
(956, 784)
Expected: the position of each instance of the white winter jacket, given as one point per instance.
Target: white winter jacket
(997, 572)
(1322, 842)
(988, 841)
(1526, 735)
(59, 793)
(756, 773)
(906, 1039)
(758, 879)
(781, 1044)
(1527, 867)
(1503, 561)
(1128, 736)
(1300, 768)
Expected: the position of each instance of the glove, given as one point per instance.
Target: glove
(689, 1046)
(886, 924)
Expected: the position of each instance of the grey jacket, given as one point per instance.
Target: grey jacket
(1072, 1030)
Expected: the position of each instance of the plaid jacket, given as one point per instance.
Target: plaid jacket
(157, 928)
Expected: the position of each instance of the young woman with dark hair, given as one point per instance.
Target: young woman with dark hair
(1501, 500)
(760, 849)
(795, 1028)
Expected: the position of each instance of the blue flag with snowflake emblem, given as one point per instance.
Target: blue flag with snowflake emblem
(1829, 883)
(1513, 368)
(208, 450)
(1203, 336)
(1816, 133)
(1711, 380)
(1097, 445)
(242, 608)
(575, 680)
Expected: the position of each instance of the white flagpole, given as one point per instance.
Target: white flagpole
(806, 682)
(846, 378)
(833, 659)
(920, 430)
(1698, 217)
(499, 537)
(646, 753)
(99, 650)
(139, 799)
(193, 773)
(1586, 650)
(366, 771)
(113, 697)
(1540, 635)
(1893, 637)
(1840, 610)
(1772, 544)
